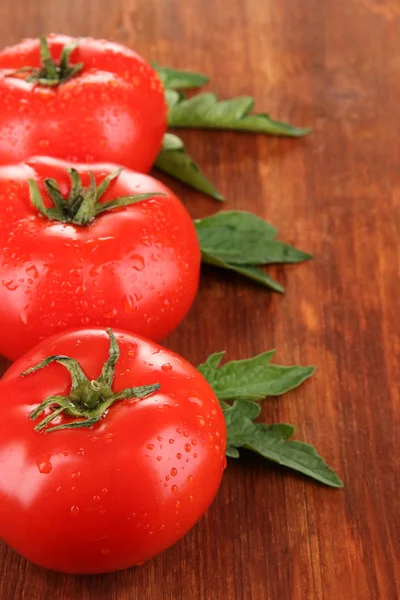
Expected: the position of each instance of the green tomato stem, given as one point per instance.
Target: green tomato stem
(88, 400)
(82, 205)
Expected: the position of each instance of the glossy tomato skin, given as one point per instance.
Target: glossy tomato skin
(109, 497)
(113, 110)
(136, 268)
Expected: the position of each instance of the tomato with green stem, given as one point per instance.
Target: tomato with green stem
(82, 100)
(111, 449)
(91, 246)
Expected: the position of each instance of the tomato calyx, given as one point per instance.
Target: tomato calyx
(82, 205)
(88, 399)
(51, 73)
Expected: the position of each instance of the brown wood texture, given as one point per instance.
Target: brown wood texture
(336, 66)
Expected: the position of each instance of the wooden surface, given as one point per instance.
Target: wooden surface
(336, 66)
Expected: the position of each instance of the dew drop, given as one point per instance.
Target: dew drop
(190, 479)
(150, 446)
(128, 304)
(188, 447)
(167, 367)
(74, 510)
(44, 465)
(174, 489)
(32, 272)
(174, 472)
(137, 263)
(195, 400)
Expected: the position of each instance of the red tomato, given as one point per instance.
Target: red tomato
(107, 497)
(112, 109)
(136, 268)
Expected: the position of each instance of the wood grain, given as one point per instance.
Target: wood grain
(335, 66)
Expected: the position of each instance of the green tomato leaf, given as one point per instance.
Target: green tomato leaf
(273, 443)
(249, 271)
(174, 79)
(251, 379)
(204, 111)
(240, 237)
(239, 241)
(174, 160)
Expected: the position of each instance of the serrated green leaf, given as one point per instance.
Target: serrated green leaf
(240, 237)
(256, 274)
(174, 160)
(232, 452)
(179, 79)
(273, 443)
(239, 241)
(250, 271)
(252, 378)
(172, 142)
(208, 368)
(206, 112)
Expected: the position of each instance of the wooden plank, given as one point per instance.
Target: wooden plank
(335, 66)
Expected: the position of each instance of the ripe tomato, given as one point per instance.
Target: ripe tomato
(136, 268)
(106, 497)
(103, 102)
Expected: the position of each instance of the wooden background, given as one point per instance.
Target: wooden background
(336, 66)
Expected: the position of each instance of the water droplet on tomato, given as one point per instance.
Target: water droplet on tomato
(179, 455)
(171, 441)
(186, 434)
(190, 479)
(174, 472)
(105, 551)
(128, 304)
(76, 475)
(195, 455)
(32, 272)
(195, 400)
(191, 498)
(188, 447)
(174, 489)
(159, 458)
(74, 511)
(44, 465)
(177, 504)
(166, 367)
(110, 314)
(10, 285)
(150, 446)
(137, 262)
